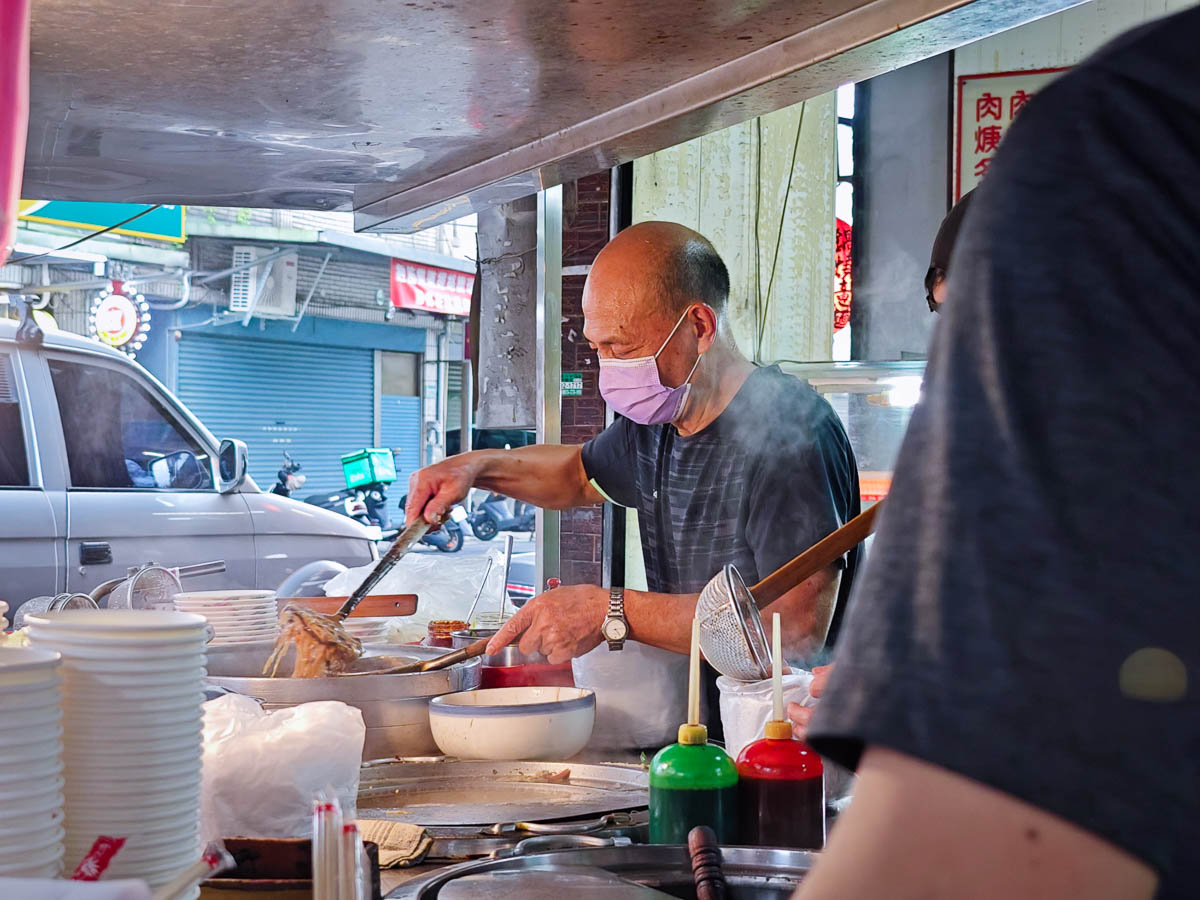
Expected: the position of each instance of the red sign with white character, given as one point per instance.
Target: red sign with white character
(987, 105)
(431, 288)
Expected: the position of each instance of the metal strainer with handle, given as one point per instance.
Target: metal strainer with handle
(731, 631)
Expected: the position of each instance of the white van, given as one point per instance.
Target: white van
(102, 468)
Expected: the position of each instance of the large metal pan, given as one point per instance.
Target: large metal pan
(395, 708)
(750, 872)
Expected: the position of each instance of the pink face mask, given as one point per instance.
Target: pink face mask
(633, 388)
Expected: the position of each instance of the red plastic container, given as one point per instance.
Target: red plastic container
(527, 675)
(781, 792)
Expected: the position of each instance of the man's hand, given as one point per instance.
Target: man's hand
(433, 491)
(801, 715)
(561, 624)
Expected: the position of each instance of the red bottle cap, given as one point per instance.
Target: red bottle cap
(779, 759)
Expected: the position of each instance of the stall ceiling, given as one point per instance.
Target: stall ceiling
(412, 113)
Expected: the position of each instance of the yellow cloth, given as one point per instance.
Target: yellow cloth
(400, 844)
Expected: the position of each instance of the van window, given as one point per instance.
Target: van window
(14, 466)
(120, 436)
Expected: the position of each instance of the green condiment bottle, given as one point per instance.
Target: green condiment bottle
(692, 782)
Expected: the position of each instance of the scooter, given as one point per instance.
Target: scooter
(448, 538)
(499, 513)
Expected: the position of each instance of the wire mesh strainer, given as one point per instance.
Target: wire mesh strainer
(731, 632)
(150, 587)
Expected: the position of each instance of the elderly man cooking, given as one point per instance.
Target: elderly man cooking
(724, 461)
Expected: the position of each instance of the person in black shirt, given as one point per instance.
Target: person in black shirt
(939, 255)
(1018, 680)
(725, 462)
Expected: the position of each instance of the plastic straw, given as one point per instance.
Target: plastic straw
(348, 863)
(326, 840)
(694, 676)
(777, 667)
(216, 859)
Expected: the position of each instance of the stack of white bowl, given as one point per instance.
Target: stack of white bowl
(132, 688)
(367, 629)
(31, 780)
(236, 616)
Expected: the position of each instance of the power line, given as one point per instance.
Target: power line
(86, 237)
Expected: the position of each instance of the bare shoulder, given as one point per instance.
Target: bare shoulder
(918, 830)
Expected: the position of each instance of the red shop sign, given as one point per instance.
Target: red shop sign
(431, 288)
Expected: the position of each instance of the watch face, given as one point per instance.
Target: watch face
(615, 630)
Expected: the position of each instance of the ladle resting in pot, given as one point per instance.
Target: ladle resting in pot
(323, 646)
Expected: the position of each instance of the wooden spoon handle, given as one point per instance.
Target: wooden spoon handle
(821, 554)
(468, 652)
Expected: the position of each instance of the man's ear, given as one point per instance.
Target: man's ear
(703, 319)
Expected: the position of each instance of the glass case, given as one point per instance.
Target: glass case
(875, 401)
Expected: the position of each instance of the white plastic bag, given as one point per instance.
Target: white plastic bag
(641, 695)
(261, 769)
(443, 591)
(747, 706)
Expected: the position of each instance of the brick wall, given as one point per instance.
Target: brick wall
(585, 232)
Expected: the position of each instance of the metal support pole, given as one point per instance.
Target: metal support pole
(467, 420)
(549, 364)
(612, 542)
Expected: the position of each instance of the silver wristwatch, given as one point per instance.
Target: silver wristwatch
(615, 628)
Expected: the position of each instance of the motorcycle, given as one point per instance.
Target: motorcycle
(498, 513)
(448, 538)
(368, 504)
(289, 478)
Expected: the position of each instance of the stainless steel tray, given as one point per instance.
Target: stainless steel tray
(461, 792)
(750, 872)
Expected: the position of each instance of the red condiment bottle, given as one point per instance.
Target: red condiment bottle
(781, 781)
(781, 792)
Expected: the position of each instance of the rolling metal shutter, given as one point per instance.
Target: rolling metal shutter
(400, 429)
(317, 403)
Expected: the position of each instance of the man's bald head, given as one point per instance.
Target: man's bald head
(664, 267)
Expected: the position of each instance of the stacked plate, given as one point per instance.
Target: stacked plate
(368, 630)
(132, 689)
(31, 776)
(236, 616)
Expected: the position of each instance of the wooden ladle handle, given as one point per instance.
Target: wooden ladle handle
(821, 554)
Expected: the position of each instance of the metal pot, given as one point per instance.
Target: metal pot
(750, 872)
(395, 708)
(509, 656)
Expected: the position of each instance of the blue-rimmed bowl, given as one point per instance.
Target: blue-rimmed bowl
(548, 723)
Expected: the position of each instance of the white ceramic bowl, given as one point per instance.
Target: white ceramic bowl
(121, 624)
(27, 666)
(43, 739)
(19, 701)
(188, 601)
(513, 723)
(36, 769)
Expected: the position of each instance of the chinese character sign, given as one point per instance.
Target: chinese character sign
(843, 277)
(431, 288)
(987, 105)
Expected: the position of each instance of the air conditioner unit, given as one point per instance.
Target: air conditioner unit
(278, 297)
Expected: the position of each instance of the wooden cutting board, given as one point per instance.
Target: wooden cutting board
(374, 605)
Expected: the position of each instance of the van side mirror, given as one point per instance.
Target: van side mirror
(233, 459)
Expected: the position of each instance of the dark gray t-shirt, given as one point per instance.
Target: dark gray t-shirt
(1040, 541)
(772, 475)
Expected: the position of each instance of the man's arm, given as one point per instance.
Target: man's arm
(547, 475)
(916, 830)
(565, 622)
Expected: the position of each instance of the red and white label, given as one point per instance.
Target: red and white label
(92, 866)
